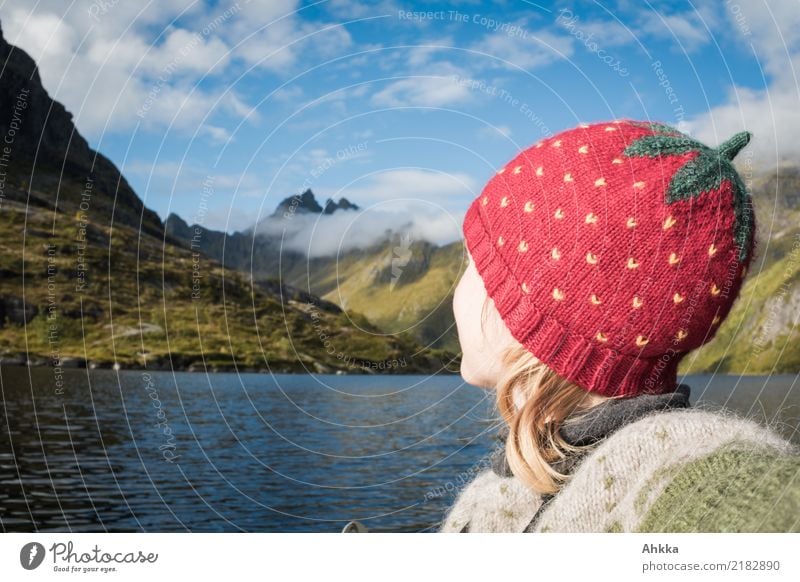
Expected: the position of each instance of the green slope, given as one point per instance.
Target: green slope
(141, 302)
(397, 291)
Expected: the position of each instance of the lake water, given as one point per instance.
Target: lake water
(103, 450)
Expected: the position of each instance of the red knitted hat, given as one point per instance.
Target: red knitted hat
(613, 249)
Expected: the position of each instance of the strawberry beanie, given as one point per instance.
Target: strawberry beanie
(611, 250)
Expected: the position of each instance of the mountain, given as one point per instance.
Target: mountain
(306, 203)
(254, 254)
(342, 204)
(90, 276)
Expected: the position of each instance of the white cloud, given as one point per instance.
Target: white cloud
(352, 10)
(426, 205)
(422, 91)
(412, 183)
(169, 60)
(217, 134)
(104, 74)
(689, 28)
(274, 35)
(531, 51)
(496, 131)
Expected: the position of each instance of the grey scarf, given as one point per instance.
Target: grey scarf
(592, 427)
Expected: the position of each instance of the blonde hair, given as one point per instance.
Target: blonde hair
(534, 442)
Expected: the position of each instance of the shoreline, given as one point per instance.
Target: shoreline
(78, 363)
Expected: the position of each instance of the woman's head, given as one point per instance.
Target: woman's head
(598, 258)
(609, 251)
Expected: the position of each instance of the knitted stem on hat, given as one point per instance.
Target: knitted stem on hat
(703, 173)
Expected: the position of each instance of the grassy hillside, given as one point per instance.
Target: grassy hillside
(412, 293)
(419, 300)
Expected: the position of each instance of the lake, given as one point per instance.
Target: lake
(105, 450)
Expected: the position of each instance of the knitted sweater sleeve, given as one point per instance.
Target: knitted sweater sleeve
(683, 471)
(734, 489)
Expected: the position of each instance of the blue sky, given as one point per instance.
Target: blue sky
(403, 106)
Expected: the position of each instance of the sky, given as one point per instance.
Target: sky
(217, 111)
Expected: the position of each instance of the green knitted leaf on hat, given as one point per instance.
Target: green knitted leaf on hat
(654, 146)
(656, 127)
(703, 173)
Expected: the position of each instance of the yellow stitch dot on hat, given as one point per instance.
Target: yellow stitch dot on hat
(600, 182)
(591, 218)
(674, 259)
(638, 185)
(522, 247)
(632, 263)
(540, 144)
(716, 320)
(715, 290)
(568, 177)
(591, 258)
(601, 337)
(641, 341)
(540, 171)
(616, 161)
(525, 288)
(681, 335)
(583, 125)
(555, 254)
(504, 202)
(677, 298)
(558, 295)
(529, 206)
(668, 223)
(501, 170)
(610, 128)
(500, 241)
(557, 143)
(712, 250)
(518, 170)
(559, 214)
(631, 222)
(595, 299)
(584, 149)
(637, 302)
(485, 200)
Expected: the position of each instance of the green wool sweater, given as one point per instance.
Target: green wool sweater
(672, 470)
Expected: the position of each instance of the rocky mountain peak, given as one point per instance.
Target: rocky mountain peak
(306, 203)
